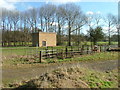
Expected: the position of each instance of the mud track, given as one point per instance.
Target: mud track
(13, 75)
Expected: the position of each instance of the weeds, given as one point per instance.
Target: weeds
(75, 76)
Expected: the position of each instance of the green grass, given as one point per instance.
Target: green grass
(95, 57)
(19, 43)
(99, 43)
(31, 60)
(9, 51)
(22, 50)
(106, 43)
(97, 79)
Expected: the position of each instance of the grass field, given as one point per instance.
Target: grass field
(100, 43)
(22, 50)
(8, 51)
(24, 61)
(65, 44)
(17, 58)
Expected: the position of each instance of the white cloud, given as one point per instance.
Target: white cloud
(29, 7)
(105, 28)
(90, 13)
(12, 0)
(47, 1)
(98, 12)
(63, 1)
(7, 5)
(60, 1)
(55, 23)
(113, 30)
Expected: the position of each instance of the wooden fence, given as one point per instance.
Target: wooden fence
(69, 52)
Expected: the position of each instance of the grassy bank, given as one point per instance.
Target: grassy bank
(25, 63)
(94, 56)
(24, 60)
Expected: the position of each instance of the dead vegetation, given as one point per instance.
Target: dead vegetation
(74, 77)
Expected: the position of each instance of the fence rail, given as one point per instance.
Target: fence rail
(69, 52)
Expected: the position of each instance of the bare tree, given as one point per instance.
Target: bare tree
(70, 12)
(32, 18)
(89, 24)
(79, 23)
(3, 19)
(15, 20)
(97, 18)
(110, 22)
(40, 16)
(60, 23)
(48, 13)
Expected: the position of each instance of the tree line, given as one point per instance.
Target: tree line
(67, 20)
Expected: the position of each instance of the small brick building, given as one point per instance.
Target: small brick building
(43, 39)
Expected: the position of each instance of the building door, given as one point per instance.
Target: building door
(43, 43)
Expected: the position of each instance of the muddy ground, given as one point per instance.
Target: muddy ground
(11, 75)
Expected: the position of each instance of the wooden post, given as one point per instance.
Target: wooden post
(66, 51)
(62, 54)
(100, 48)
(87, 49)
(104, 48)
(78, 48)
(82, 49)
(91, 50)
(40, 56)
(46, 53)
(71, 48)
(52, 52)
(57, 52)
(71, 51)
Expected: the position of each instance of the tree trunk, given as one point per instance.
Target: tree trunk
(78, 37)
(59, 33)
(109, 39)
(69, 34)
(41, 24)
(14, 35)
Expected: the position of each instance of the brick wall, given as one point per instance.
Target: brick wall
(50, 38)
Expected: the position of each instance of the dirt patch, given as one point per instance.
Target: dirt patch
(74, 77)
(12, 75)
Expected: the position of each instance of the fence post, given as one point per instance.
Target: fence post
(46, 52)
(71, 51)
(66, 51)
(87, 49)
(105, 48)
(71, 48)
(52, 52)
(100, 48)
(78, 48)
(40, 56)
(82, 49)
(62, 53)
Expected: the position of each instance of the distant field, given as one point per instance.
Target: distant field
(25, 50)
(65, 43)
(102, 43)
